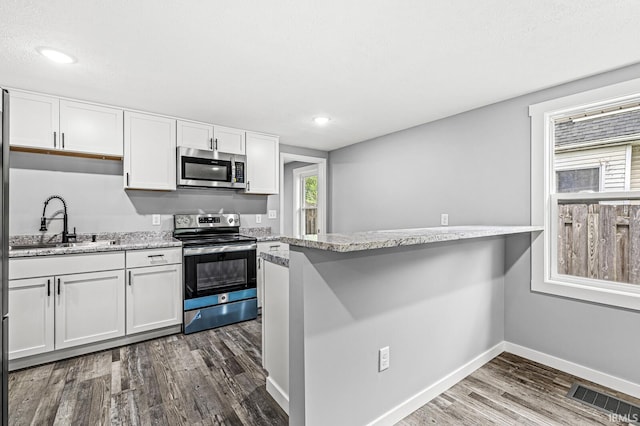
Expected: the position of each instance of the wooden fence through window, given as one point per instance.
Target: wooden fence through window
(599, 241)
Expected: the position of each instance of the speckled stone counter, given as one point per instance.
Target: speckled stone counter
(279, 257)
(372, 240)
(123, 241)
(261, 234)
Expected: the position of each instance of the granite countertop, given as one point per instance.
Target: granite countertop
(261, 234)
(123, 241)
(279, 257)
(372, 240)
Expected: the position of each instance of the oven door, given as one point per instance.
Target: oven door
(219, 269)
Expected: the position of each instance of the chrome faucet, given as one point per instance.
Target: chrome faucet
(65, 228)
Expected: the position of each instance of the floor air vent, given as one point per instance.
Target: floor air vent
(623, 411)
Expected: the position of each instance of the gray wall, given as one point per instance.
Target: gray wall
(344, 307)
(476, 167)
(98, 203)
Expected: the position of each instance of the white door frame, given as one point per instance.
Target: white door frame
(322, 186)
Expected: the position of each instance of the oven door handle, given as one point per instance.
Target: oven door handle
(194, 251)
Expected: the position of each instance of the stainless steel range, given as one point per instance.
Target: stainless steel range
(219, 271)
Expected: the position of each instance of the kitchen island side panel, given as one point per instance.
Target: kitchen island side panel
(437, 307)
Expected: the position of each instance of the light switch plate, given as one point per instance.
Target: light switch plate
(273, 214)
(383, 358)
(155, 219)
(444, 219)
(258, 218)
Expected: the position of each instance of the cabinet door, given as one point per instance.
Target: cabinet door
(229, 140)
(195, 135)
(89, 308)
(263, 153)
(154, 297)
(90, 128)
(31, 310)
(33, 121)
(149, 151)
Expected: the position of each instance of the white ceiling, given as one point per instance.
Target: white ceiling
(373, 66)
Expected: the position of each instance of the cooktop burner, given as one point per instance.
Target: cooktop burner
(209, 228)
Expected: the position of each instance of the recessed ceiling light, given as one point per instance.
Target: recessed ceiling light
(321, 121)
(56, 55)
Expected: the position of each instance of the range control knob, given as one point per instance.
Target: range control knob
(230, 220)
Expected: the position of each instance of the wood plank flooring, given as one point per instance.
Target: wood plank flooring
(209, 378)
(510, 390)
(215, 377)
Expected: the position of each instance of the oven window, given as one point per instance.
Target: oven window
(220, 274)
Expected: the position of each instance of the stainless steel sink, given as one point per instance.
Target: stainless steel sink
(56, 245)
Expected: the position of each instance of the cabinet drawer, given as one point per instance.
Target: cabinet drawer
(141, 258)
(40, 266)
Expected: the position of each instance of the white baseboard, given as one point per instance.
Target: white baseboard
(587, 373)
(278, 395)
(421, 398)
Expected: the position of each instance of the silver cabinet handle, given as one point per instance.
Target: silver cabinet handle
(55, 136)
(215, 144)
(129, 277)
(62, 140)
(211, 143)
(58, 286)
(127, 174)
(156, 255)
(248, 186)
(48, 288)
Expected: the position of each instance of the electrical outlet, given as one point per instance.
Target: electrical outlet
(258, 218)
(273, 214)
(444, 219)
(383, 358)
(155, 219)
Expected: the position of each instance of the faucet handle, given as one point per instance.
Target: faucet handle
(43, 224)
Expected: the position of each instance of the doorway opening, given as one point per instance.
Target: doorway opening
(303, 194)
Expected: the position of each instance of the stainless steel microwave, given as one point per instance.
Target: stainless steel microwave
(210, 169)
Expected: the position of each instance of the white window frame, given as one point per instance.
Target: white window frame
(299, 174)
(544, 274)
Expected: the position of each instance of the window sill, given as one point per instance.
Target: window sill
(619, 295)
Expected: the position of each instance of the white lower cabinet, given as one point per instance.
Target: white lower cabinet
(58, 302)
(31, 307)
(275, 330)
(89, 308)
(154, 297)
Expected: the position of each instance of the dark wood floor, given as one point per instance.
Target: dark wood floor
(209, 378)
(511, 390)
(215, 377)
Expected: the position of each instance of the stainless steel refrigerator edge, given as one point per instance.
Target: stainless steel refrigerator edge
(4, 252)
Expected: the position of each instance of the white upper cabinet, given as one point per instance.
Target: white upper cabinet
(227, 139)
(149, 152)
(46, 122)
(263, 153)
(33, 121)
(90, 128)
(195, 135)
